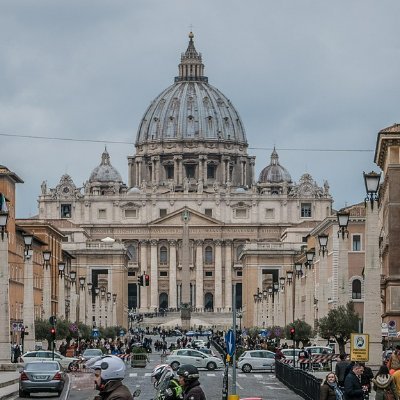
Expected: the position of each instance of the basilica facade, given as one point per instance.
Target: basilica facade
(192, 207)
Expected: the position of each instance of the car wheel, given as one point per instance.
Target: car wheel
(21, 393)
(175, 365)
(246, 368)
(211, 366)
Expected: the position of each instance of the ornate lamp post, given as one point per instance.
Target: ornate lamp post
(371, 181)
(47, 284)
(82, 300)
(97, 306)
(61, 290)
(90, 304)
(114, 314)
(323, 275)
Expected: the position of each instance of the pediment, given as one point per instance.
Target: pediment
(195, 218)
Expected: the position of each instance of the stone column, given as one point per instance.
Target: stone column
(143, 268)
(343, 272)
(89, 302)
(47, 290)
(228, 276)
(29, 309)
(252, 163)
(372, 290)
(218, 276)
(323, 285)
(199, 276)
(97, 309)
(153, 275)
(5, 340)
(82, 304)
(114, 313)
(172, 274)
(73, 302)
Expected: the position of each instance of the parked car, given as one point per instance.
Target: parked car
(196, 343)
(206, 350)
(41, 376)
(256, 359)
(47, 355)
(319, 350)
(91, 353)
(288, 353)
(194, 357)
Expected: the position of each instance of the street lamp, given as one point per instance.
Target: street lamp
(371, 181)
(46, 258)
(90, 287)
(343, 221)
(310, 258)
(28, 238)
(114, 297)
(108, 296)
(282, 282)
(103, 291)
(72, 276)
(298, 269)
(289, 277)
(96, 291)
(61, 268)
(82, 281)
(323, 242)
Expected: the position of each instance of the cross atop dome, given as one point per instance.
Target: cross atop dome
(191, 67)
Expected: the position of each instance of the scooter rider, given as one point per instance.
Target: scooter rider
(169, 387)
(188, 376)
(109, 372)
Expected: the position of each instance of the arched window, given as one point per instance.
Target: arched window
(131, 253)
(209, 302)
(208, 256)
(238, 251)
(356, 289)
(163, 301)
(163, 255)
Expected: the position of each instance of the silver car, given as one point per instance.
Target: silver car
(193, 357)
(41, 376)
(256, 359)
(47, 355)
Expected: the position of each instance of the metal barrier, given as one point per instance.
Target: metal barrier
(301, 382)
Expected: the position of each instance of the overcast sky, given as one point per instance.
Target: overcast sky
(321, 75)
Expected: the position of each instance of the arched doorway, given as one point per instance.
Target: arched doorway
(209, 302)
(163, 301)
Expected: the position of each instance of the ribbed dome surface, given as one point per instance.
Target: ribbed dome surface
(105, 172)
(274, 172)
(191, 108)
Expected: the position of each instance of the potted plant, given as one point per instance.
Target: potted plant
(139, 357)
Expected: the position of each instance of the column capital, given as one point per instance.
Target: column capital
(199, 242)
(178, 158)
(218, 242)
(155, 158)
(172, 242)
(143, 242)
(153, 242)
(203, 157)
(228, 242)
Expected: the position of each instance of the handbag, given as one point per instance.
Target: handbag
(389, 395)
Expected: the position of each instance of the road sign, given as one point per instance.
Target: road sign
(14, 327)
(230, 342)
(392, 329)
(359, 347)
(95, 332)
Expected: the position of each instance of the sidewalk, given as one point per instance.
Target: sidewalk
(8, 384)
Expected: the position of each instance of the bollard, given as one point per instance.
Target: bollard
(233, 397)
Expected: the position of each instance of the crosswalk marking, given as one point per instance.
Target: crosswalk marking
(210, 374)
(258, 376)
(147, 374)
(133, 374)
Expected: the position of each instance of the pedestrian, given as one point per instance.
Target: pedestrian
(366, 377)
(330, 389)
(303, 358)
(16, 352)
(384, 385)
(188, 376)
(278, 354)
(109, 372)
(394, 360)
(353, 390)
(340, 369)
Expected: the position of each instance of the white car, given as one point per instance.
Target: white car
(46, 355)
(288, 353)
(256, 359)
(193, 357)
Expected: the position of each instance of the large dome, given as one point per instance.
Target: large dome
(274, 172)
(191, 108)
(105, 172)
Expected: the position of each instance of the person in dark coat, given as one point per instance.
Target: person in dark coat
(330, 389)
(188, 376)
(340, 369)
(353, 390)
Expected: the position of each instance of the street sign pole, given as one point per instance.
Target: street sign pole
(234, 340)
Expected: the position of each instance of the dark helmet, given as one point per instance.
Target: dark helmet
(188, 372)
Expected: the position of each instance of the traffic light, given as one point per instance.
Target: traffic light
(146, 280)
(140, 280)
(292, 333)
(53, 333)
(22, 332)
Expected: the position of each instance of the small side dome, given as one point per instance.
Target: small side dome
(105, 172)
(274, 172)
(134, 190)
(240, 190)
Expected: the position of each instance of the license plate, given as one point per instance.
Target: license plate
(40, 377)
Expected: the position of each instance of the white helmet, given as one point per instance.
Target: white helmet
(112, 368)
(157, 372)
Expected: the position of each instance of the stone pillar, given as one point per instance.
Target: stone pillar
(372, 290)
(82, 304)
(143, 268)
(5, 340)
(97, 309)
(61, 296)
(323, 286)
(153, 275)
(228, 276)
(29, 305)
(89, 317)
(47, 291)
(252, 163)
(73, 303)
(172, 274)
(114, 313)
(343, 272)
(218, 276)
(199, 276)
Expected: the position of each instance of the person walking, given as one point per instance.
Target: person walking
(384, 385)
(330, 389)
(340, 369)
(188, 377)
(353, 390)
(109, 372)
(394, 360)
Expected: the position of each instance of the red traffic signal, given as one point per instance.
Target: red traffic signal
(53, 333)
(292, 333)
(146, 280)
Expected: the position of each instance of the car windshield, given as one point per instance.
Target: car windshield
(92, 352)
(46, 366)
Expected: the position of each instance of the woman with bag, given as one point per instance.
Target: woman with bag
(330, 389)
(384, 385)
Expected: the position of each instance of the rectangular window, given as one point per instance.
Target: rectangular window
(209, 273)
(190, 171)
(241, 213)
(131, 272)
(130, 213)
(163, 273)
(169, 171)
(163, 212)
(305, 210)
(239, 273)
(208, 212)
(210, 171)
(269, 213)
(356, 242)
(65, 211)
(102, 213)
